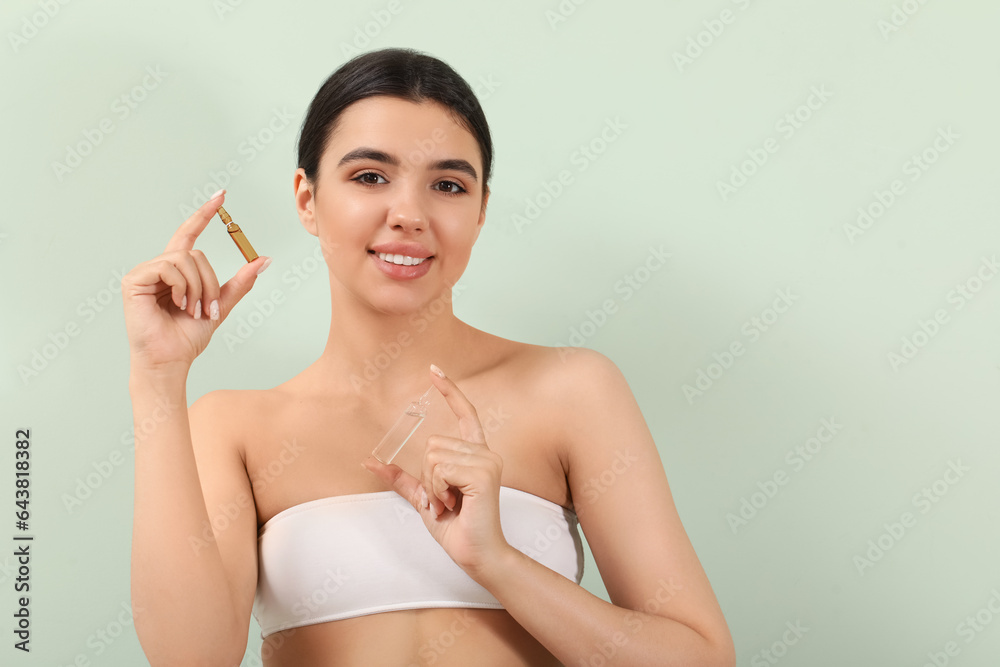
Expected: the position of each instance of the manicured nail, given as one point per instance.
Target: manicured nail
(437, 371)
(267, 263)
(424, 501)
(197, 310)
(213, 309)
(184, 302)
(216, 194)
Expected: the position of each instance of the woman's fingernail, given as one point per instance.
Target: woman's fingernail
(267, 263)
(437, 371)
(216, 194)
(213, 309)
(197, 310)
(184, 302)
(424, 501)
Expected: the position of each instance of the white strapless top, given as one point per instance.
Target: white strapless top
(367, 553)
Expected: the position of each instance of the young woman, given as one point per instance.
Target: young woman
(467, 551)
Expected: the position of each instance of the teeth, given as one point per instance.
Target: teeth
(403, 260)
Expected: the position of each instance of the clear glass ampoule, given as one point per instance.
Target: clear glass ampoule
(404, 427)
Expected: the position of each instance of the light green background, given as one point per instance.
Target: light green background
(65, 240)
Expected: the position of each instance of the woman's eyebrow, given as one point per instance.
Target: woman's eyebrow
(365, 153)
(456, 164)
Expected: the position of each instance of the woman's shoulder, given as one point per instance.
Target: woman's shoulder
(229, 401)
(230, 414)
(551, 369)
(563, 396)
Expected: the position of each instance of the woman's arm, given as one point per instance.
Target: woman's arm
(192, 585)
(664, 611)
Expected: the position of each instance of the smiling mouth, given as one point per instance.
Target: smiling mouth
(399, 260)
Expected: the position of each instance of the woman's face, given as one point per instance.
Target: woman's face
(398, 202)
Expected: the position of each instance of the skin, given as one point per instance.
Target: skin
(571, 433)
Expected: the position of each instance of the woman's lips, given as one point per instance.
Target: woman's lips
(399, 271)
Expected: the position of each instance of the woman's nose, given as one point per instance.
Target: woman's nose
(407, 212)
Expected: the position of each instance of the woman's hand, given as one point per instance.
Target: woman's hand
(458, 494)
(173, 303)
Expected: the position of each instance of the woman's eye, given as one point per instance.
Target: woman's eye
(369, 178)
(450, 188)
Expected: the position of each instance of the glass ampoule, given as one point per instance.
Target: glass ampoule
(412, 417)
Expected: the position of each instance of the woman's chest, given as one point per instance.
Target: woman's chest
(304, 452)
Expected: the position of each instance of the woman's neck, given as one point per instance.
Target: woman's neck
(380, 355)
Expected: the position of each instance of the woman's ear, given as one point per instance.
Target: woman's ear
(305, 201)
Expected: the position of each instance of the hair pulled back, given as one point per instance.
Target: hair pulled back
(403, 73)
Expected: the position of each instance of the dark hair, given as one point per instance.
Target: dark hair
(402, 73)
